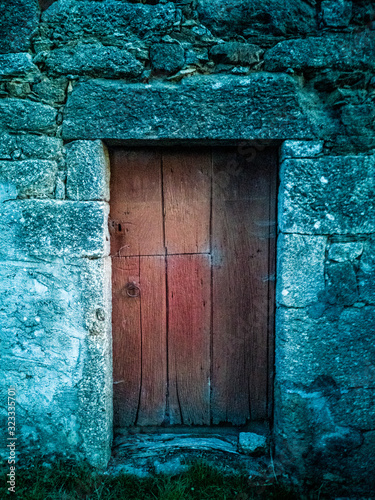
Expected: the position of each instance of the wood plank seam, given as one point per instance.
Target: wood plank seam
(141, 344)
(211, 286)
(167, 408)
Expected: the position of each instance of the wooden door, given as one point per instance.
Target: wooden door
(193, 256)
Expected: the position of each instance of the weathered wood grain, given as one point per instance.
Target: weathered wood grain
(136, 217)
(152, 404)
(127, 341)
(187, 200)
(240, 250)
(139, 340)
(189, 302)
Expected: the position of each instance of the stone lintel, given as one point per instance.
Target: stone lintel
(258, 106)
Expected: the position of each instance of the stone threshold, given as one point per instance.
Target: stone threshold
(171, 451)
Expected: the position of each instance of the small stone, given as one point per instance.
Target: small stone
(196, 56)
(18, 21)
(140, 53)
(279, 17)
(39, 146)
(146, 75)
(224, 68)
(100, 314)
(316, 311)
(201, 30)
(16, 65)
(16, 114)
(181, 74)
(167, 57)
(168, 39)
(336, 13)
(171, 467)
(87, 171)
(93, 60)
(32, 178)
(16, 154)
(60, 189)
(301, 149)
(41, 57)
(188, 23)
(51, 91)
(70, 20)
(336, 51)
(191, 57)
(252, 444)
(341, 252)
(240, 70)
(18, 89)
(42, 45)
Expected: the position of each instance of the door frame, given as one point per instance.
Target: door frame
(211, 109)
(95, 401)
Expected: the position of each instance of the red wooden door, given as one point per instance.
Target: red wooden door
(193, 251)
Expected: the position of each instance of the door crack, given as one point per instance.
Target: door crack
(141, 332)
(178, 400)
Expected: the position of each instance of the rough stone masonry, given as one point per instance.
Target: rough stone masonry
(78, 74)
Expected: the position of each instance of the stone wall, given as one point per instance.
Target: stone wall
(327, 47)
(325, 322)
(75, 72)
(55, 297)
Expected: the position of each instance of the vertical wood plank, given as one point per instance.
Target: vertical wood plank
(136, 217)
(189, 302)
(154, 356)
(139, 341)
(240, 252)
(127, 341)
(187, 194)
